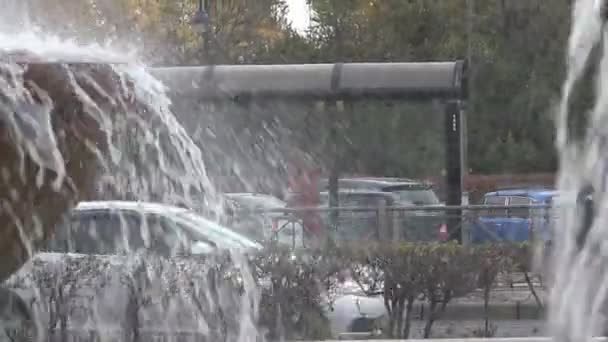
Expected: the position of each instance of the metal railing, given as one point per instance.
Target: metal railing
(479, 223)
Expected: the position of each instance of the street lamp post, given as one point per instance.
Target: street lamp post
(201, 24)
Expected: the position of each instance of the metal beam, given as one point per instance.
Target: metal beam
(353, 81)
(399, 81)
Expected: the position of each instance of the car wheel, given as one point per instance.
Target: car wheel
(17, 321)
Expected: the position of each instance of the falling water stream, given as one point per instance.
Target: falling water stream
(580, 286)
(82, 122)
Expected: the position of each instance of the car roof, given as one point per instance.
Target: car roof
(540, 194)
(379, 182)
(243, 194)
(147, 207)
(255, 197)
(359, 192)
(384, 179)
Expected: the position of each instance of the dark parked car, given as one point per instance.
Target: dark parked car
(407, 191)
(413, 225)
(358, 225)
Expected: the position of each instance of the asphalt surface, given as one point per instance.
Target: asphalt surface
(469, 329)
(513, 312)
(504, 304)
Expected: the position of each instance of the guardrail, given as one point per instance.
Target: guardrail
(398, 208)
(479, 223)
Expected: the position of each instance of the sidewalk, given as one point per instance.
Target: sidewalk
(505, 304)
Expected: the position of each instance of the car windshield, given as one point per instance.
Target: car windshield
(356, 225)
(222, 237)
(355, 199)
(107, 232)
(416, 196)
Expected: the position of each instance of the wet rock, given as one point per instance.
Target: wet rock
(52, 137)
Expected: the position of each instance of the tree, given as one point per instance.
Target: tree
(160, 29)
(515, 79)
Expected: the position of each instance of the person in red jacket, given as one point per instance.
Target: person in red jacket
(304, 186)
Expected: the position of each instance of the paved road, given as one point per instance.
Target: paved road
(462, 317)
(461, 329)
(505, 304)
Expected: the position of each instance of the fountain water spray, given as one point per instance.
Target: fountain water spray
(580, 286)
(81, 122)
(67, 124)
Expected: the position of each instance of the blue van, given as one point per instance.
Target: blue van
(514, 224)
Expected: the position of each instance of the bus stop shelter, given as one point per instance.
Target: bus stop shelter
(427, 81)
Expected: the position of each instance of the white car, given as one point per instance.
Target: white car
(99, 243)
(354, 315)
(115, 227)
(111, 232)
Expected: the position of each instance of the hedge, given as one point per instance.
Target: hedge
(434, 272)
(279, 293)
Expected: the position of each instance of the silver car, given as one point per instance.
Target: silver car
(82, 272)
(97, 274)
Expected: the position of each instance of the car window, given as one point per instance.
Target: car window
(518, 200)
(357, 200)
(289, 232)
(58, 243)
(89, 233)
(108, 232)
(418, 196)
(165, 237)
(131, 238)
(519, 212)
(495, 200)
(231, 206)
(99, 233)
(211, 231)
(357, 225)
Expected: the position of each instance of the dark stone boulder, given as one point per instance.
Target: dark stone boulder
(74, 99)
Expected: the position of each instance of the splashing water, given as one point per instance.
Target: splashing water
(82, 122)
(580, 289)
(118, 115)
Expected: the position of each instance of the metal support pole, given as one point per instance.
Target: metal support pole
(207, 36)
(453, 180)
(335, 110)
